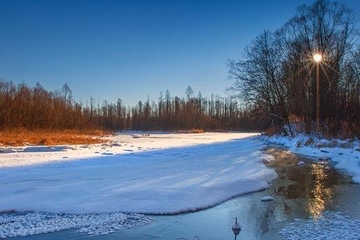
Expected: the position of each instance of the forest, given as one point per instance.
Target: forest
(35, 108)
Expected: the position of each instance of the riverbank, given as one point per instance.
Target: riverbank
(295, 193)
(313, 194)
(343, 154)
(300, 192)
(152, 174)
(20, 137)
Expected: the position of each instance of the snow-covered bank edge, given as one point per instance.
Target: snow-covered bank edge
(344, 154)
(210, 169)
(21, 224)
(331, 225)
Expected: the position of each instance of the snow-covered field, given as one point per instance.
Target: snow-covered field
(103, 188)
(136, 173)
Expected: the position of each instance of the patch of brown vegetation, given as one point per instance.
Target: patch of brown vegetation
(22, 137)
(195, 130)
(270, 131)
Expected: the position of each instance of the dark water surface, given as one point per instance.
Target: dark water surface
(301, 191)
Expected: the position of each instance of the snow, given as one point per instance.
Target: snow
(268, 159)
(121, 143)
(103, 188)
(31, 223)
(301, 163)
(345, 155)
(331, 225)
(267, 199)
(136, 173)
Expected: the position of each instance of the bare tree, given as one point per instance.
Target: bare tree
(327, 28)
(260, 81)
(278, 73)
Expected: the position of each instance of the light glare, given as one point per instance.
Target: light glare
(317, 57)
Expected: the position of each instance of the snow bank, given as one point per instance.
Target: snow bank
(163, 181)
(31, 223)
(331, 225)
(344, 154)
(119, 144)
(161, 174)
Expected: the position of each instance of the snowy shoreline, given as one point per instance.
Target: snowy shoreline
(156, 173)
(105, 187)
(145, 180)
(21, 224)
(344, 154)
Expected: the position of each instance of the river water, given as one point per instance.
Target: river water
(301, 191)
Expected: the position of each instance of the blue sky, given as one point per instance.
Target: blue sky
(132, 49)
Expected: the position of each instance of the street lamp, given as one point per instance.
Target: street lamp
(317, 59)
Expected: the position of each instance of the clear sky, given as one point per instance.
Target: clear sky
(132, 49)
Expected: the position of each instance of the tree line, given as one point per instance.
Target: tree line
(34, 108)
(279, 76)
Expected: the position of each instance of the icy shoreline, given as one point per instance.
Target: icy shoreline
(331, 225)
(21, 224)
(158, 174)
(343, 153)
(141, 173)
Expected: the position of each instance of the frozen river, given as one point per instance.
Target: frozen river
(301, 192)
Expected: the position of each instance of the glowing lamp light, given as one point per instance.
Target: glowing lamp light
(317, 57)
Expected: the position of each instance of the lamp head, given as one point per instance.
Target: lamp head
(317, 57)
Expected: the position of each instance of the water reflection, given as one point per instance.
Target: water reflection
(321, 191)
(236, 228)
(314, 183)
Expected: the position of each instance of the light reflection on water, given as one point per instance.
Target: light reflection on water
(321, 192)
(315, 183)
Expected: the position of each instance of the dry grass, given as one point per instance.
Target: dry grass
(194, 130)
(21, 137)
(271, 131)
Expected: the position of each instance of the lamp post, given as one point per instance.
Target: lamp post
(317, 59)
